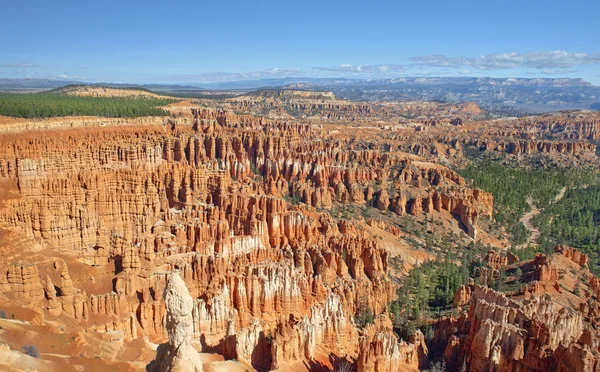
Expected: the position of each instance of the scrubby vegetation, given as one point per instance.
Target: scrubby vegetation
(365, 316)
(55, 104)
(31, 351)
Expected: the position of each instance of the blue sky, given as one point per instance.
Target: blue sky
(202, 41)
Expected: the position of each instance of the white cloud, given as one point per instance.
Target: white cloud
(556, 59)
(363, 69)
(64, 77)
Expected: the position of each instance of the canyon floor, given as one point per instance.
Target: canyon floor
(278, 230)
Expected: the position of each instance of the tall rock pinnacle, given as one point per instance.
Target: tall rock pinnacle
(178, 354)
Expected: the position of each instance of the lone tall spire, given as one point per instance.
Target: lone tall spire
(178, 354)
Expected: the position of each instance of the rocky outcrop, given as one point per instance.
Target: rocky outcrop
(327, 324)
(178, 354)
(494, 260)
(573, 254)
(535, 146)
(544, 271)
(381, 350)
(240, 205)
(502, 334)
(462, 296)
(229, 201)
(279, 226)
(302, 103)
(23, 280)
(383, 200)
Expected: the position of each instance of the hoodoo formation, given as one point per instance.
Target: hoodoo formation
(178, 354)
(291, 230)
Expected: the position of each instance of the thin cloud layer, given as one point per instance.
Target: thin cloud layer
(363, 69)
(20, 65)
(551, 72)
(219, 77)
(545, 63)
(556, 59)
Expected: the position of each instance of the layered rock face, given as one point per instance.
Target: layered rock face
(573, 135)
(565, 139)
(528, 147)
(302, 103)
(320, 106)
(381, 352)
(538, 331)
(280, 233)
(433, 130)
(574, 126)
(236, 205)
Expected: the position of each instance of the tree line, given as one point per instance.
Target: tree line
(53, 104)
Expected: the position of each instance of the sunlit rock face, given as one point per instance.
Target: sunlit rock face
(238, 206)
(534, 330)
(178, 354)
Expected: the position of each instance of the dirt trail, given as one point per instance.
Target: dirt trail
(534, 232)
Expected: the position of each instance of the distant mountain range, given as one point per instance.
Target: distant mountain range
(518, 94)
